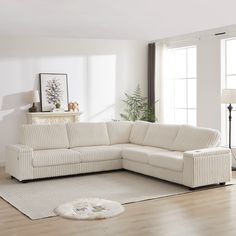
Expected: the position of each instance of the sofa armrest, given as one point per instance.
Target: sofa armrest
(19, 161)
(207, 166)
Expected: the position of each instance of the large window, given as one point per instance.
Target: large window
(180, 86)
(228, 81)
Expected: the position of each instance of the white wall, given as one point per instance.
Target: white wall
(21, 59)
(209, 83)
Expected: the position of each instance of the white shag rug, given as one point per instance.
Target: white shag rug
(89, 209)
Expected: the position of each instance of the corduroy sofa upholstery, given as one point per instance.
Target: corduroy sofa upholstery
(183, 154)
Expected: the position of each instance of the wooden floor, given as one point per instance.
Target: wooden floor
(208, 212)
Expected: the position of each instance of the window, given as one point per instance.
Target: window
(228, 81)
(180, 86)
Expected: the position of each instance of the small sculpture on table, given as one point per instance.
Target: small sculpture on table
(73, 106)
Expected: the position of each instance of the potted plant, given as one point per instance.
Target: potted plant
(137, 107)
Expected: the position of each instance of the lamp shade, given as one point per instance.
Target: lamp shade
(35, 96)
(228, 96)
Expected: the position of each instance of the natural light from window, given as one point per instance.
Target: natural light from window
(180, 86)
(92, 84)
(101, 87)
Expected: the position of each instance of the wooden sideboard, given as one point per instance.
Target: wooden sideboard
(52, 117)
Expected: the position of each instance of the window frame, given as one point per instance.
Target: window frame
(187, 108)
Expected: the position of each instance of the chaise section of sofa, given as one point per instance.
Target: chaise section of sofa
(182, 154)
(165, 149)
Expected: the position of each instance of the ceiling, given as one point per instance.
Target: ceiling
(113, 19)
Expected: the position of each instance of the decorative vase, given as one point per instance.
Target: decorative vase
(57, 105)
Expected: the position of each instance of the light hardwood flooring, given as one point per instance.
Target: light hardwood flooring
(208, 212)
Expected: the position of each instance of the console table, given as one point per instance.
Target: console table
(52, 117)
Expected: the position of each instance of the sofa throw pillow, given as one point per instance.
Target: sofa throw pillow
(161, 135)
(41, 137)
(119, 131)
(87, 134)
(138, 132)
(192, 138)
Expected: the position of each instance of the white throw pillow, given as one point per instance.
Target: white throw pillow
(192, 138)
(161, 135)
(41, 137)
(119, 131)
(138, 132)
(87, 134)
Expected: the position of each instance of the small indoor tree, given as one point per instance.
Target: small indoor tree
(137, 107)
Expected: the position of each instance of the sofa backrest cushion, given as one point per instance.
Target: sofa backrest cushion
(87, 134)
(41, 137)
(119, 131)
(161, 135)
(138, 132)
(192, 138)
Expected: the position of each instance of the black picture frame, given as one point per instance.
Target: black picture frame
(60, 80)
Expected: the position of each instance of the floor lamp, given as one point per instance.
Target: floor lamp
(229, 97)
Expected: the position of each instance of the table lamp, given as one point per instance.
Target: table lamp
(35, 99)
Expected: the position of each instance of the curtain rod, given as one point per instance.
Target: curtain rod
(211, 35)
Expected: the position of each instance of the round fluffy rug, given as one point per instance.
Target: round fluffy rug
(89, 209)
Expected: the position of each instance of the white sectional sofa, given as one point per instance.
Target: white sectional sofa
(178, 153)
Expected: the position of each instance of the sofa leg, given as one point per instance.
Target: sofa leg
(222, 183)
(191, 189)
(12, 177)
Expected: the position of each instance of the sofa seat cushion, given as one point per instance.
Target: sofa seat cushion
(119, 131)
(55, 157)
(168, 160)
(98, 153)
(192, 138)
(40, 137)
(83, 134)
(161, 135)
(125, 145)
(140, 154)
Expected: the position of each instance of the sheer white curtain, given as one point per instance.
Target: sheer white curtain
(161, 74)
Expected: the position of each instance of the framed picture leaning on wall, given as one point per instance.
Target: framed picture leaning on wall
(53, 91)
